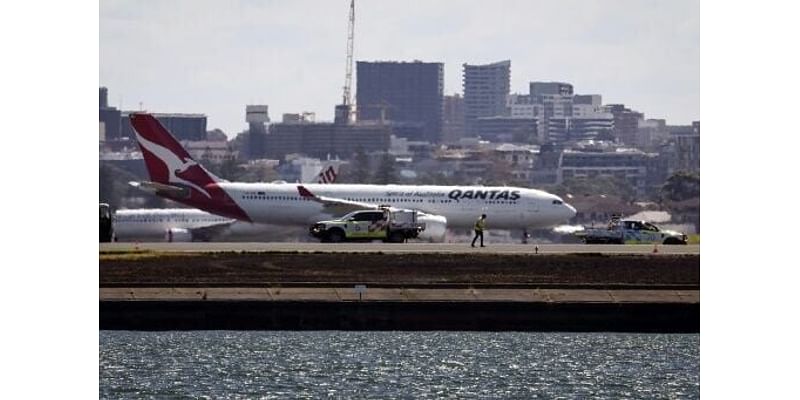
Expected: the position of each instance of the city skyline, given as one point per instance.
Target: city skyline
(216, 57)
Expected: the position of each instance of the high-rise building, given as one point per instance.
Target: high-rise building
(588, 99)
(626, 123)
(589, 119)
(551, 88)
(182, 126)
(453, 124)
(562, 116)
(684, 147)
(324, 140)
(257, 118)
(555, 97)
(652, 133)
(103, 97)
(403, 92)
(110, 117)
(522, 106)
(485, 90)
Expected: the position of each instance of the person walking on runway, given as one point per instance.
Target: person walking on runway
(480, 225)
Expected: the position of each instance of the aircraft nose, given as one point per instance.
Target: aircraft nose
(571, 211)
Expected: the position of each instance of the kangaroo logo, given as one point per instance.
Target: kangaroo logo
(175, 165)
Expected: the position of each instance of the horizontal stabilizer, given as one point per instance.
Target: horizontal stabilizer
(155, 187)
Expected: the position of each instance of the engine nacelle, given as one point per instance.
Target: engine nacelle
(435, 227)
(178, 235)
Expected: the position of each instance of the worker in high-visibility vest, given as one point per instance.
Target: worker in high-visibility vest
(480, 225)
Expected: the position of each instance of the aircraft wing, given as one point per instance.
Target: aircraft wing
(209, 232)
(335, 205)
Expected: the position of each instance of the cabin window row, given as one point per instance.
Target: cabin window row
(377, 200)
(262, 197)
(168, 220)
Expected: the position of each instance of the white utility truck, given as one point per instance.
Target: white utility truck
(385, 223)
(625, 231)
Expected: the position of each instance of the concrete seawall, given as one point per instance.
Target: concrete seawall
(453, 316)
(279, 291)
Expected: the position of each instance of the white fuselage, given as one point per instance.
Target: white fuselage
(154, 223)
(505, 207)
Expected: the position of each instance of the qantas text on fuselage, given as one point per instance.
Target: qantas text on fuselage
(303, 204)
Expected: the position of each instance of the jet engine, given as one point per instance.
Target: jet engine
(178, 235)
(435, 227)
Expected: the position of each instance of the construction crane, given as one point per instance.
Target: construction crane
(344, 110)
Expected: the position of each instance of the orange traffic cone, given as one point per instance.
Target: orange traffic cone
(655, 248)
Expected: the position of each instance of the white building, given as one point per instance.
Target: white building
(592, 162)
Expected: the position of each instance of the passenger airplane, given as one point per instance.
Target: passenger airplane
(176, 176)
(172, 225)
(190, 224)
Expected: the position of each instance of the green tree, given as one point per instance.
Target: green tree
(681, 186)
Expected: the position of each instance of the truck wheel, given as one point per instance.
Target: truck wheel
(335, 235)
(396, 237)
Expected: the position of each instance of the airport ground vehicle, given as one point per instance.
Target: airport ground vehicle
(630, 232)
(387, 224)
(106, 223)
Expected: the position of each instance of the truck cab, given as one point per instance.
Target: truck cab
(385, 224)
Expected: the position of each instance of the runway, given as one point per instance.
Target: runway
(400, 248)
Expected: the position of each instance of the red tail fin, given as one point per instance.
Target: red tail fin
(170, 164)
(166, 160)
(327, 175)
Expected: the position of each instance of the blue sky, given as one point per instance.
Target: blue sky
(214, 57)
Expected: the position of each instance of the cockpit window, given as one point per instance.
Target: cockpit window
(558, 202)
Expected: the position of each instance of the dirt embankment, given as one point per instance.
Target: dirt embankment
(245, 269)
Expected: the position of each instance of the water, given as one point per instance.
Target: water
(381, 365)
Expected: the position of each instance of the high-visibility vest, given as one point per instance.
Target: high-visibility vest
(480, 224)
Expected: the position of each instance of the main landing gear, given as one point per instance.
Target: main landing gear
(525, 236)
